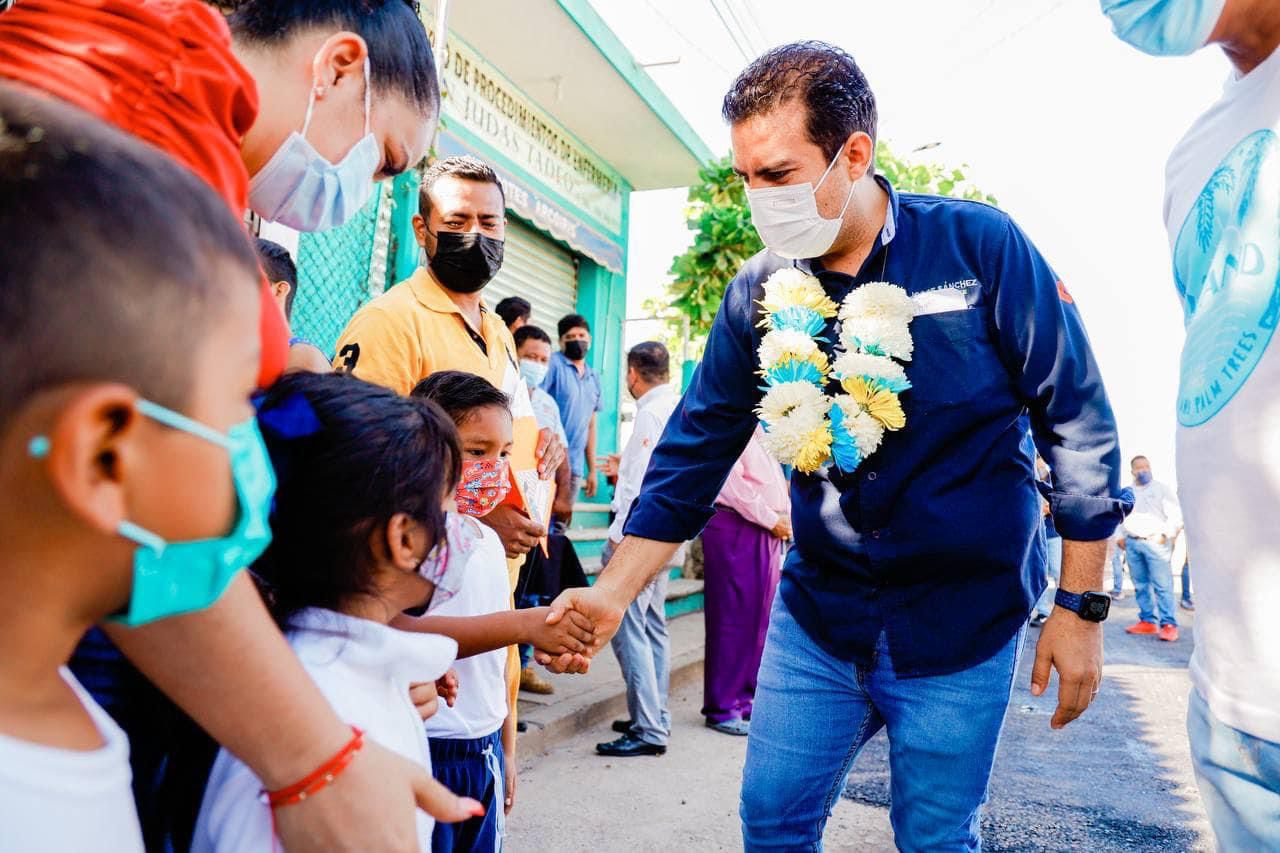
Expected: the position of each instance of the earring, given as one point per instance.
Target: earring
(38, 447)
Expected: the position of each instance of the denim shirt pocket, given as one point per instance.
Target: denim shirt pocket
(955, 360)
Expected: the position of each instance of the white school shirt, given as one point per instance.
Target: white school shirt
(364, 670)
(68, 799)
(653, 410)
(1222, 211)
(1155, 512)
(481, 707)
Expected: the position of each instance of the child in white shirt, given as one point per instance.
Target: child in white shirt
(360, 535)
(473, 742)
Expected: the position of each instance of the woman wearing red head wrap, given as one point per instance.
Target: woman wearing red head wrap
(291, 108)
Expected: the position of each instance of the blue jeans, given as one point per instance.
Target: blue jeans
(1186, 582)
(643, 649)
(814, 712)
(1152, 578)
(1117, 571)
(1239, 779)
(1053, 550)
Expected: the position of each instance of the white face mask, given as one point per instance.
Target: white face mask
(301, 189)
(788, 221)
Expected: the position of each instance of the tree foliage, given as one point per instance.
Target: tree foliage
(724, 239)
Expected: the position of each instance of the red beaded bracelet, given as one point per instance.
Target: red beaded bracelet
(320, 777)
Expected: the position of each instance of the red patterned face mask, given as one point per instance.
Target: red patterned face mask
(484, 486)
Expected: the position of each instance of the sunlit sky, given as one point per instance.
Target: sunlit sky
(1068, 127)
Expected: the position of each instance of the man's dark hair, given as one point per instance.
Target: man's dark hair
(115, 260)
(1135, 460)
(278, 266)
(571, 321)
(651, 361)
(513, 308)
(460, 394)
(400, 57)
(824, 78)
(463, 166)
(531, 333)
(369, 455)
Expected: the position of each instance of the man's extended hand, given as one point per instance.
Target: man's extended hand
(550, 452)
(1073, 647)
(518, 532)
(595, 604)
(377, 793)
(589, 485)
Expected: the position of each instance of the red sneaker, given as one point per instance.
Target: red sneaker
(1168, 633)
(1142, 628)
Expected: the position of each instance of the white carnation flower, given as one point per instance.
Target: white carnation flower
(785, 342)
(851, 363)
(878, 299)
(801, 405)
(891, 336)
(866, 431)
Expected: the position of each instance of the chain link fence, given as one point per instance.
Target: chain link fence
(341, 269)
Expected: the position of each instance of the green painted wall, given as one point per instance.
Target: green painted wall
(602, 299)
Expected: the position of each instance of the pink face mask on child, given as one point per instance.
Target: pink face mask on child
(484, 485)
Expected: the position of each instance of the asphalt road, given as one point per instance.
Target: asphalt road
(1117, 779)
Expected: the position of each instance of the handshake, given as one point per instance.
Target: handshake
(576, 626)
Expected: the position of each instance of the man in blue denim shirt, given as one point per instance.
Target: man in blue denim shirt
(905, 599)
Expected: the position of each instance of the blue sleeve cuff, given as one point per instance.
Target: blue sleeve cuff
(666, 519)
(1087, 518)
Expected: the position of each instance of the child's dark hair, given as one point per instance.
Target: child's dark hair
(400, 57)
(114, 259)
(460, 393)
(348, 456)
(278, 266)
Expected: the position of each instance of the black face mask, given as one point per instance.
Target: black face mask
(466, 262)
(575, 350)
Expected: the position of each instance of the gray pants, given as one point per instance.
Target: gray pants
(643, 650)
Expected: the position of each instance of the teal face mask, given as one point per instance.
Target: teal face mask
(170, 578)
(1164, 27)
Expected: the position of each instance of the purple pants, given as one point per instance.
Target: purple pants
(742, 563)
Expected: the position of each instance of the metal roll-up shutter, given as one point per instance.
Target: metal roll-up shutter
(539, 270)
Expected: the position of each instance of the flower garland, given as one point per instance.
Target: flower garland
(804, 426)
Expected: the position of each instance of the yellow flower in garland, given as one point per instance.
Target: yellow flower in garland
(790, 288)
(814, 450)
(878, 401)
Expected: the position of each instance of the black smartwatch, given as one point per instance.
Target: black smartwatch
(1089, 606)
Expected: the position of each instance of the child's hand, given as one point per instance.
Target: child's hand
(573, 634)
(447, 687)
(425, 698)
(509, 786)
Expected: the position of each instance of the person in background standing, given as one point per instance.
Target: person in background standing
(641, 644)
(577, 391)
(533, 349)
(515, 312)
(1221, 204)
(1115, 556)
(282, 279)
(1053, 549)
(1150, 531)
(742, 562)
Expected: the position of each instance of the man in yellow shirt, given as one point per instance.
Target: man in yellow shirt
(437, 320)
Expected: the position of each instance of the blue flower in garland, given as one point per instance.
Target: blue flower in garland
(799, 318)
(844, 450)
(794, 371)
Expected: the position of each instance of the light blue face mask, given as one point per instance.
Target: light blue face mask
(533, 371)
(178, 577)
(301, 189)
(1164, 27)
